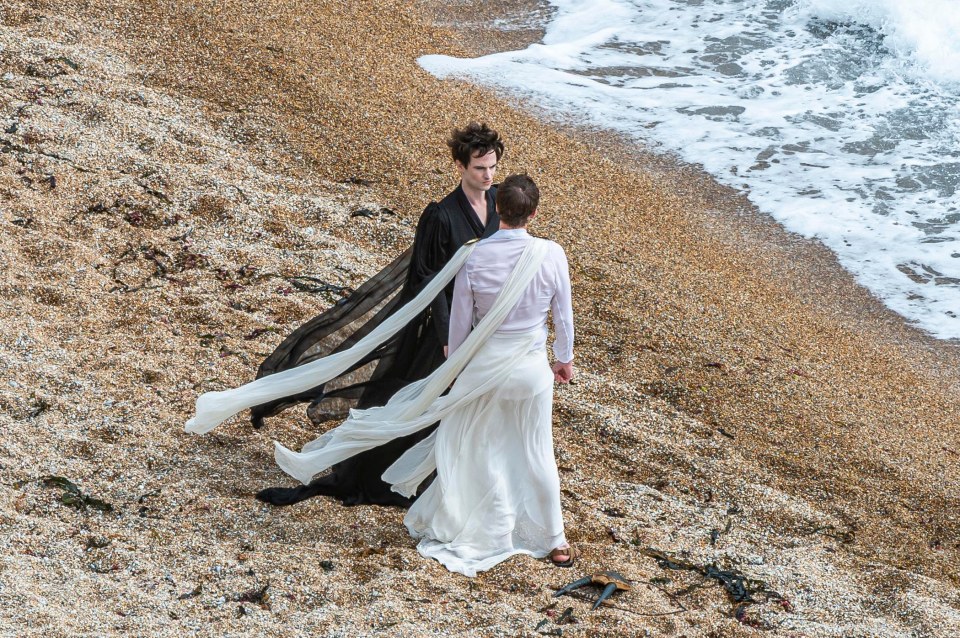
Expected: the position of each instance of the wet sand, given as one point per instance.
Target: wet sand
(174, 168)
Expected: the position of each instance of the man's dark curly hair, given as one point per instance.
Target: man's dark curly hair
(474, 140)
(517, 199)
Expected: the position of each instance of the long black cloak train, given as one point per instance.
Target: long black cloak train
(412, 354)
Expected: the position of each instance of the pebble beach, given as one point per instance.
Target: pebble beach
(183, 184)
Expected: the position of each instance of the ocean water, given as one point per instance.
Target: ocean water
(840, 118)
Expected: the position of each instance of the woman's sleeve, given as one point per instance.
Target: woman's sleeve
(461, 311)
(562, 308)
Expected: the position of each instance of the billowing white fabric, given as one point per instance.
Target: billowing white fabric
(418, 404)
(213, 408)
(497, 490)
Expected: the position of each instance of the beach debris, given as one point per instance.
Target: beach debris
(369, 550)
(257, 596)
(845, 536)
(208, 340)
(327, 565)
(196, 591)
(70, 63)
(715, 533)
(97, 208)
(567, 617)
(144, 510)
(316, 285)
(99, 567)
(259, 332)
(164, 266)
(369, 212)
(72, 495)
(609, 580)
(152, 191)
(553, 631)
(741, 590)
(139, 216)
(40, 405)
(97, 542)
(357, 181)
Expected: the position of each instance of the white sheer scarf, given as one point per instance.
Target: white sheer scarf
(419, 404)
(213, 408)
(413, 408)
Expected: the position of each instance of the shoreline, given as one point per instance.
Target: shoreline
(741, 217)
(735, 405)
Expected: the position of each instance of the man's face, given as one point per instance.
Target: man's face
(478, 174)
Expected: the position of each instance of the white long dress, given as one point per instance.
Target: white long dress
(497, 489)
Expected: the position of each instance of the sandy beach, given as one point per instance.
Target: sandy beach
(171, 174)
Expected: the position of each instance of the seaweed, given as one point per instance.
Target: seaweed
(40, 405)
(196, 591)
(369, 212)
(314, 285)
(72, 495)
(741, 590)
(257, 596)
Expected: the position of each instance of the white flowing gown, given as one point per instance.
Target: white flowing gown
(497, 490)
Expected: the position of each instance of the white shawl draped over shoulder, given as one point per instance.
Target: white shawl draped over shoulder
(413, 408)
(419, 404)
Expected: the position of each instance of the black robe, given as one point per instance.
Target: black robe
(412, 354)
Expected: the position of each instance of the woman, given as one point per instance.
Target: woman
(497, 490)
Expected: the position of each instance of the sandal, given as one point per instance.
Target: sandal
(569, 551)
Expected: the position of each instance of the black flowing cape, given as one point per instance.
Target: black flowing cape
(410, 355)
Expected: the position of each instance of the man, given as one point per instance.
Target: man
(467, 213)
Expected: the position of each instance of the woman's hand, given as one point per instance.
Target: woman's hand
(562, 372)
